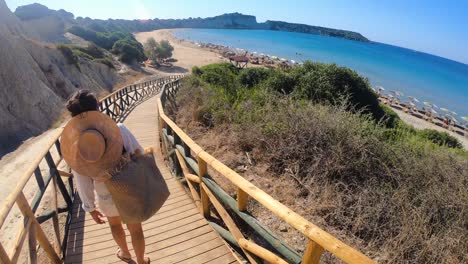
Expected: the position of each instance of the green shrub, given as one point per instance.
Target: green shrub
(129, 50)
(80, 53)
(251, 77)
(327, 83)
(68, 54)
(440, 138)
(196, 71)
(281, 82)
(92, 50)
(105, 61)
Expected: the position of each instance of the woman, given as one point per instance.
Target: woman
(93, 192)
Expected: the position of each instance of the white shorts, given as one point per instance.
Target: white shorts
(104, 200)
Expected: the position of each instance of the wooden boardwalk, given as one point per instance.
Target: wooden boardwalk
(178, 233)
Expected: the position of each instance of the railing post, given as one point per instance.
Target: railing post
(22, 203)
(205, 201)
(32, 245)
(312, 253)
(4, 258)
(106, 103)
(177, 141)
(55, 174)
(242, 199)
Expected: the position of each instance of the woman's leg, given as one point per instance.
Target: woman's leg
(138, 241)
(119, 235)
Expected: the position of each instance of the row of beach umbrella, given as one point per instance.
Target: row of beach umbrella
(431, 107)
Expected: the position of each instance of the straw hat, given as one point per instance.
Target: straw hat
(91, 144)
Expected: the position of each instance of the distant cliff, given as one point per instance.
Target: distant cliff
(31, 13)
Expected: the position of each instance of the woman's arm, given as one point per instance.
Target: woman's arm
(131, 144)
(85, 186)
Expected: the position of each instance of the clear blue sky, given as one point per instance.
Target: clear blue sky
(438, 27)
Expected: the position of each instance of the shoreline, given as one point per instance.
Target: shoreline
(189, 54)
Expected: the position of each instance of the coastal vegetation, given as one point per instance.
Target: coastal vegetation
(317, 139)
(91, 52)
(157, 51)
(120, 43)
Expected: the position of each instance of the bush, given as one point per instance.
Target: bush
(251, 77)
(68, 54)
(196, 71)
(105, 61)
(129, 50)
(326, 83)
(399, 199)
(91, 50)
(440, 138)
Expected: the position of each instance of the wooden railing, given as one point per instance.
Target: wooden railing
(117, 105)
(192, 162)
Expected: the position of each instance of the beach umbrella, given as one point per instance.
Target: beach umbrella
(465, 118)
(413, 99)
(412, 104)
(283, 59)
(453, 113)
(274, 57)
(293, 61)
(427, 104)
(444, 109)
(433, 111)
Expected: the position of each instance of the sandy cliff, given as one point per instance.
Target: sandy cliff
(36, 79)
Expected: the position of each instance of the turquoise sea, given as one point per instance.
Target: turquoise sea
(427, 77)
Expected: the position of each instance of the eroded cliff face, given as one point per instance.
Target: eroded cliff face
(36, 79)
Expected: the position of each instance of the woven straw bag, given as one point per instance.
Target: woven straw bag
(137, 188)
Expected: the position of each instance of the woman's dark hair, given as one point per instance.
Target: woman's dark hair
(82, 101)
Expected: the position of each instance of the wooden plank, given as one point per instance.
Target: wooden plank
(226, 258)
(206, 256)
(151, 234)
(172, 208)
(176, 227)
(193, 250)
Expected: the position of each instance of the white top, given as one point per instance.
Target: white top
(87, 186)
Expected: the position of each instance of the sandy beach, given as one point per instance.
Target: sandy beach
(186, 53)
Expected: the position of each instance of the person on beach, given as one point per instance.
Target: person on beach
(102, 142)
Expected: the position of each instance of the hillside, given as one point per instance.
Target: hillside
(36, 78)
(313, 138)
(226, 21)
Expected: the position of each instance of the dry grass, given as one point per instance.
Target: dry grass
(401, 201)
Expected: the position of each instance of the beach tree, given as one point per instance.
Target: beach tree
(157, 51)
(165, 49)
